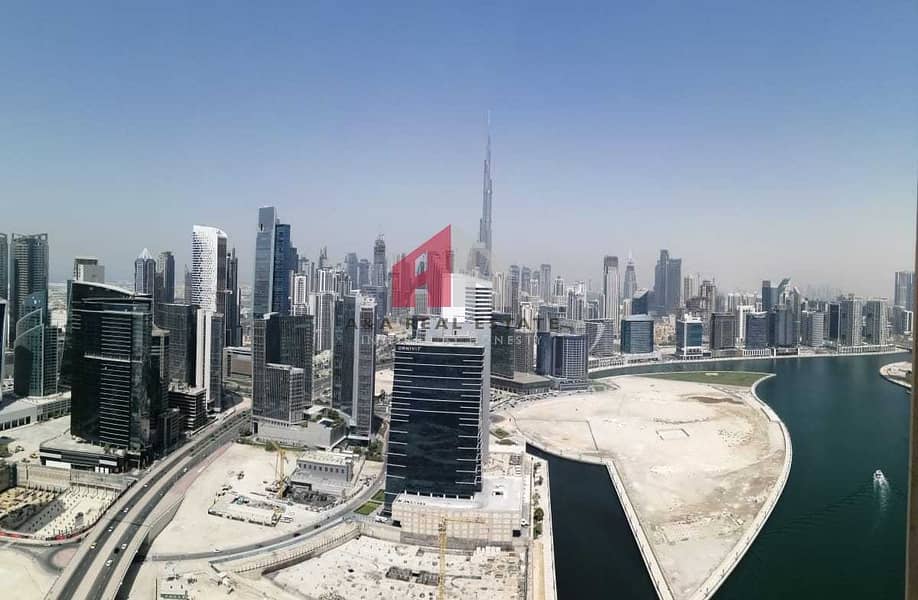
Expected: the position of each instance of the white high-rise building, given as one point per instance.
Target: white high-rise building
(300, 289)
(611, 291)
(741, 311)
(208, 268)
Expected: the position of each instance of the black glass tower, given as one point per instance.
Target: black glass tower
(435, 437)
(110, 367)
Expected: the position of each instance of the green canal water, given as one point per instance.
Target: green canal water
(834, 533)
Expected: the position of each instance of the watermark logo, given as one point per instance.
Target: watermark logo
(426, 269)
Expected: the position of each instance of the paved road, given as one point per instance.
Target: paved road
(282, 541)
(120, 527)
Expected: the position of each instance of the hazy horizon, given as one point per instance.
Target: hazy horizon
(754, 142)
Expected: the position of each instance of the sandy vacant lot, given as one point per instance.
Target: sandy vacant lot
(697, 462)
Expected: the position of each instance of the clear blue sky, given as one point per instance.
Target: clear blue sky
(753, 139)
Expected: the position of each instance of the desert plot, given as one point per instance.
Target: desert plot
(699, 461)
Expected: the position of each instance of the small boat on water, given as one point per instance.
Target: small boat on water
(878, 476)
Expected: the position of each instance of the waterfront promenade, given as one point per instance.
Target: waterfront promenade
(698, 467)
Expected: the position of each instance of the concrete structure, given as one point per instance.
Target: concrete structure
(324, 472)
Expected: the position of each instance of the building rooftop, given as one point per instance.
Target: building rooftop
(71, 443)
(323, 456)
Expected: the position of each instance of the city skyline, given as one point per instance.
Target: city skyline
(746, 132)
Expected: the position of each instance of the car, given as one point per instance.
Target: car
(146, 485)
(111, 529)
(92, 546)
(124, 546)
(126, 508)
(217, 549)
(108, 563)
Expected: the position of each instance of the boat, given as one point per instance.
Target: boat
(878, 476)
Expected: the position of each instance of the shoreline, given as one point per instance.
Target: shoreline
(886, 373)
(723, 570)
(603, 372)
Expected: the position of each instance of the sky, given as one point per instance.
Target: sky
(754, 140)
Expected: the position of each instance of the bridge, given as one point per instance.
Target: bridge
(98, 568)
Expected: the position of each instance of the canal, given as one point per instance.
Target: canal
(834, 533)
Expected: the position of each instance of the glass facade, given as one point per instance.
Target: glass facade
(109, 366)
(35, 351)
(435, 436)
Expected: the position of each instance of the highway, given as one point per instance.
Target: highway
(87, 575)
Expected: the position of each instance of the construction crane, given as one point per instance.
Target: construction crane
(279, 471)
(442, 530)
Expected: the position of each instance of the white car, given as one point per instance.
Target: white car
(108, 563)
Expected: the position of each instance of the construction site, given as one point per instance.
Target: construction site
(48, 503)
(368, 568)
(242, 494)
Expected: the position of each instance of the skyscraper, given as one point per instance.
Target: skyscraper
(629, 286)
(351, 263)
(667, 283)
(380, 268)
(28, 270)
(282, 366)
(324, 312)
(144, 273)
(546, 281)
(4, 332)
(514, 297)
(637, 334)
(436, 439)
(484, 226)
(561, 355)
(210, 329)
(165, 268)
(208, 268)
(875, 330)
(756, 330)
(850, 321)
(611, 287)
(354, 361)
(689, 335)
(284, 265)
(88, 269)
(108, 366)
(4, 270)
(263, 279)
(181, 322)
(723, 331)
(232, 302)
(35, 351)
(363, 275)
(903, 291)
